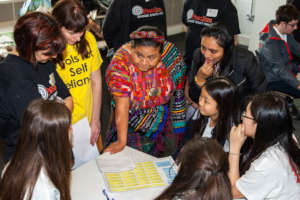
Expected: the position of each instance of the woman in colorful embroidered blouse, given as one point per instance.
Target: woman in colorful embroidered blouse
(143, 76)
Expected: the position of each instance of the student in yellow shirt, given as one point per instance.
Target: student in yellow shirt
(82, 61)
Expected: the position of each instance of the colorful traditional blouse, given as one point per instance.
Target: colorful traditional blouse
(150, 92)
(126, 80)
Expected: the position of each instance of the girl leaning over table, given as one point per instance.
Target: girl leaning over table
(30, 74)
(81, 69)
(144, 76)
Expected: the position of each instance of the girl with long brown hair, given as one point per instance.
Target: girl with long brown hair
(41, 165)
(81, 69)
(202, 173)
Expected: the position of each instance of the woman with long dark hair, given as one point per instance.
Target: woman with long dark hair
(271, 169)
(28, 75)
(202, 174)
(219, 108)
(218, 56)
(41, 165)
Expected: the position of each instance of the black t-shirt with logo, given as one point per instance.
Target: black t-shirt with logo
(146, 12)
(21, 83)
(198, 14)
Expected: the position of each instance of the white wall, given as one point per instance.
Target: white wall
(263, 11)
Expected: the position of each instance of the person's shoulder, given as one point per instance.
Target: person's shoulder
(271, 158)
(13, 65)
(44, 188)
(170, 48)
(89, 37)
(122, 56)
(243, 54)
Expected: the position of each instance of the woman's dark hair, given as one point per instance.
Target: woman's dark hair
(226, 95)
(71, 15)
(224, 39)
(274, 125)
(36, 31)
(147, 41)
(287, 13)
(203, 168)
(43, 143)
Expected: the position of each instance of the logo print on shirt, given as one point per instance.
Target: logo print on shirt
(196, 19)
(141, 12)
(137, 10)
(189, 13)
(43, 92)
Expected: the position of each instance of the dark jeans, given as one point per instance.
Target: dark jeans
(281, 86)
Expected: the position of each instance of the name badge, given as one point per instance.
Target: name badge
(212, 12)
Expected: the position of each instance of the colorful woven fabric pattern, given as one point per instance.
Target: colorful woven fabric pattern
(149, 116)
(147, 35)
(125, 79)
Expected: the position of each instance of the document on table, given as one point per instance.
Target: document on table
(160, 172)
(115, 162)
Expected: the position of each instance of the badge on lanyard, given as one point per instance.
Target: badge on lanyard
(212, 12)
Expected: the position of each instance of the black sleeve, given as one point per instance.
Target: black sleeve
(165, 18)
(3, 108)
(62, 89)
(183, 16)
(230, 17)
(112, 22)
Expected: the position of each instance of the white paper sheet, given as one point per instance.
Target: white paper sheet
(115, 162)
(82, 149)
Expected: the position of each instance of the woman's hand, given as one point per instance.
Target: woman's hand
(95, 131)
(205, 70)
(237, 138)
(115, 147)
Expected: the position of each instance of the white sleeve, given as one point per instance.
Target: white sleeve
(259, 180)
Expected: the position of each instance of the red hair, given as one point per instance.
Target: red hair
(37, 31)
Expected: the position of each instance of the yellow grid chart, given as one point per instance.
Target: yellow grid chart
(144, 175)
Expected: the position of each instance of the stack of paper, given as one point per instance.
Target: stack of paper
(122, 174)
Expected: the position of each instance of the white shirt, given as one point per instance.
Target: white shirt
(270, 177)
(44, 188)
(282, 36)
(207, 133)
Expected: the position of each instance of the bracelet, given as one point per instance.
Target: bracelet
(199, 82)
(234, 154)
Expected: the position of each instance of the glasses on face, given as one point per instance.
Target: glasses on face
(244, 115)
(292, 25)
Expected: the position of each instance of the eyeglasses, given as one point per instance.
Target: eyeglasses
(292, 25)
(244, 115)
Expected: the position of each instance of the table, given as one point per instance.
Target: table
(87, 181)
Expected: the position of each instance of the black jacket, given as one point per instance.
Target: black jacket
(243, 69)
(276, 58)
(116, 25)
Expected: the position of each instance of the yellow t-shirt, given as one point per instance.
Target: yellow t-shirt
(77, 76)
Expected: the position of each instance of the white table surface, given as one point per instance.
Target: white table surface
(87, 181)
